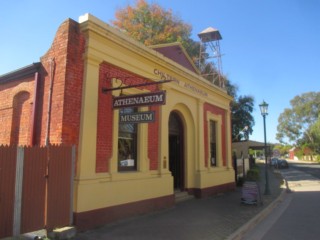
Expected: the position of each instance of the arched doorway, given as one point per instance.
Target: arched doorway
(176, 150)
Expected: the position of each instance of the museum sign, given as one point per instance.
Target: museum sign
(137, 117)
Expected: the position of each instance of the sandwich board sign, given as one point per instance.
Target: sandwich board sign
(251, 193)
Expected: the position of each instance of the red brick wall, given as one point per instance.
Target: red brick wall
(73, 85)
(20, 128)
(67, 75)
(217, 111)
(105, 121)
(105, 117)
(153, 140)
(15, 107)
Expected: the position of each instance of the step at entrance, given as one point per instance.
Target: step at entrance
(182, 196)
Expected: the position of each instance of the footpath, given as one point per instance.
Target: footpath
(215, 218)
(296, 217)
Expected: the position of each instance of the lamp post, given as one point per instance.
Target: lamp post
(264, 112)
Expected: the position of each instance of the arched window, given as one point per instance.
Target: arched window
(20, 122)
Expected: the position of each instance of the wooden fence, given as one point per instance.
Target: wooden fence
(36, 188)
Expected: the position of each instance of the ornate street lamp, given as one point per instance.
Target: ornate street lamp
(264, 112)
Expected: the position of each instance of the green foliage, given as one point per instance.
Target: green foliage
(283, 148)
(251, 152)
(241, 109)
(300, 124)
(231, 89)
(240, 181)
(315, 136)
(299, 154)
(253, 174)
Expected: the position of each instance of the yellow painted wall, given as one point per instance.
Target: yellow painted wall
(187, 96)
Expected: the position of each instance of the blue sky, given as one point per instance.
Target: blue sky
(271, 48)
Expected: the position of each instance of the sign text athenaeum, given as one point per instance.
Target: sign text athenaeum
(145, 99)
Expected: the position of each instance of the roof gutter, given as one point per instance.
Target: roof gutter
(20, 73)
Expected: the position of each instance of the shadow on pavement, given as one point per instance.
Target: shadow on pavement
(216, 217)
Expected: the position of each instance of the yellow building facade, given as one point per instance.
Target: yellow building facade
(182, 144)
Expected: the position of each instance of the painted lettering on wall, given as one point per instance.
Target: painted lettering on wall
(196, 90)
(193, 88)
(164, 76)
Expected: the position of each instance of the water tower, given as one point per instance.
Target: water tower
(210, 53)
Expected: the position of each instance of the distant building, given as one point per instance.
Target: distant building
(307, 154)
(242, 161)
(241, 149)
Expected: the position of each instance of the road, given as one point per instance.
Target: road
(298, 215)
(311, 168)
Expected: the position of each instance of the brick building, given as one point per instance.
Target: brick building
(123, 168)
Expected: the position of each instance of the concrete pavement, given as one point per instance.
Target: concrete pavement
(217, 217)
(297, 216)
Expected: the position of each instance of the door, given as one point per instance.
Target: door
(176, 160)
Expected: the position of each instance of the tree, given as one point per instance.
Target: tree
(242, 120)
(282, 148)
(300, 123)
(150, 24)
(241, 110)
(314, 132)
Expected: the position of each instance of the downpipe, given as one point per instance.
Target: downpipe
(52, 66)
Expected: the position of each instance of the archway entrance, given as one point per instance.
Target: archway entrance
(176, 149)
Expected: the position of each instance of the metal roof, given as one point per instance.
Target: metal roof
(210, 34)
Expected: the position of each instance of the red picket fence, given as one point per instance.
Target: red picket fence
(7, 189)
(36, 188)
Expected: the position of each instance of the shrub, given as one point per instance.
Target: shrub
(240, 181)
(299, 154)
(253, 174)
